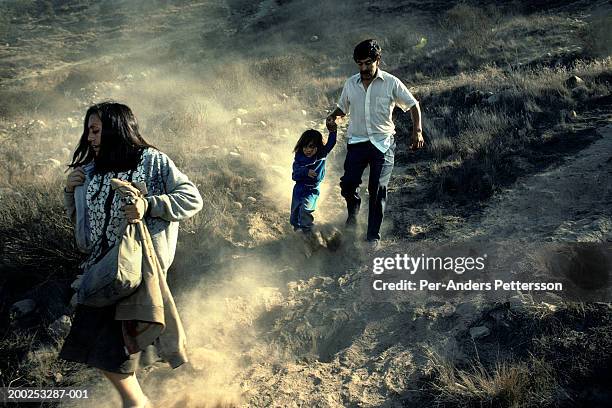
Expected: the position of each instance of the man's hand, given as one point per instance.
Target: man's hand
(331, 118)
(136, 211)
(331, 124)
(312, 173)
(75, 178)
(417, 141)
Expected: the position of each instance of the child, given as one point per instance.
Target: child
(308, 172)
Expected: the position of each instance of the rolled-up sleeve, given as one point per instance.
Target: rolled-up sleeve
(403, 98)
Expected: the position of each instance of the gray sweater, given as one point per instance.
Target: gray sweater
(171, 198)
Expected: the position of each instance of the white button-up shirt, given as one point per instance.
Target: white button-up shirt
(370, 110)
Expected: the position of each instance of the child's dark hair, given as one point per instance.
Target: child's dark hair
(308, 137)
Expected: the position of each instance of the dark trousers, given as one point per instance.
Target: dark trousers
(358, 157)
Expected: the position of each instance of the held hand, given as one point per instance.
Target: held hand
(417, 141)
(330, 122)
(75, 178)
(312, 173)
(136, 211)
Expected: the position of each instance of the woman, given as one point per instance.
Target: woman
(112, 147)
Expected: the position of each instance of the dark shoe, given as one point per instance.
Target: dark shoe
(351, 221)
(373, 245)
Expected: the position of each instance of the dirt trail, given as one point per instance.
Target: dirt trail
(568, 203)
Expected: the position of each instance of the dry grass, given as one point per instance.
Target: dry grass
(506, 384)
(474, 139)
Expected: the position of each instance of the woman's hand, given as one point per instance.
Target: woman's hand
(136, 211)
(75, 178)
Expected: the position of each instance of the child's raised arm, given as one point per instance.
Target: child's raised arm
(331, 142)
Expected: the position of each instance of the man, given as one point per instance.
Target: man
(369, 98)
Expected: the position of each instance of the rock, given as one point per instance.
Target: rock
(493, 99)
(242, 111)
(573, 81)
(416, 230)
(60, 328)
(552, 308)
(263, 124)
(251, 199)
(316, 281)
(518, 303)
(479, 332)
(467, 309)
(314, 38)
(237, 205)
(237, 122)
(580, 93)
(446, 310)
(22, 308)
(58, 377)
(476, 97)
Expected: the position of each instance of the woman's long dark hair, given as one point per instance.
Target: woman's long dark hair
(120, 144)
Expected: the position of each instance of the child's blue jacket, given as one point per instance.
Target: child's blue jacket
(301, 164)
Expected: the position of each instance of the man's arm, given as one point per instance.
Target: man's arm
(417, 141)
(341, 107)
(406, 101)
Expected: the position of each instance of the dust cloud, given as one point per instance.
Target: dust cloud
(225, 89)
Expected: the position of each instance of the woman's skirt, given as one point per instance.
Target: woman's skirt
(96, 339)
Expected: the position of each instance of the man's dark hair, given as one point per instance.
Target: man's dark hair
(308, 137)
(121, 144)
(367, 49)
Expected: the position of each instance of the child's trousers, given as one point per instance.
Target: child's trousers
(303, 204)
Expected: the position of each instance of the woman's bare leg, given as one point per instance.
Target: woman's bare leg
(128, 387)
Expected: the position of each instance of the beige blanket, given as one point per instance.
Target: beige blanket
(149, 315)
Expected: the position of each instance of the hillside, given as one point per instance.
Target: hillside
(518, 125)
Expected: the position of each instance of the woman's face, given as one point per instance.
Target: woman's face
(94, 135)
